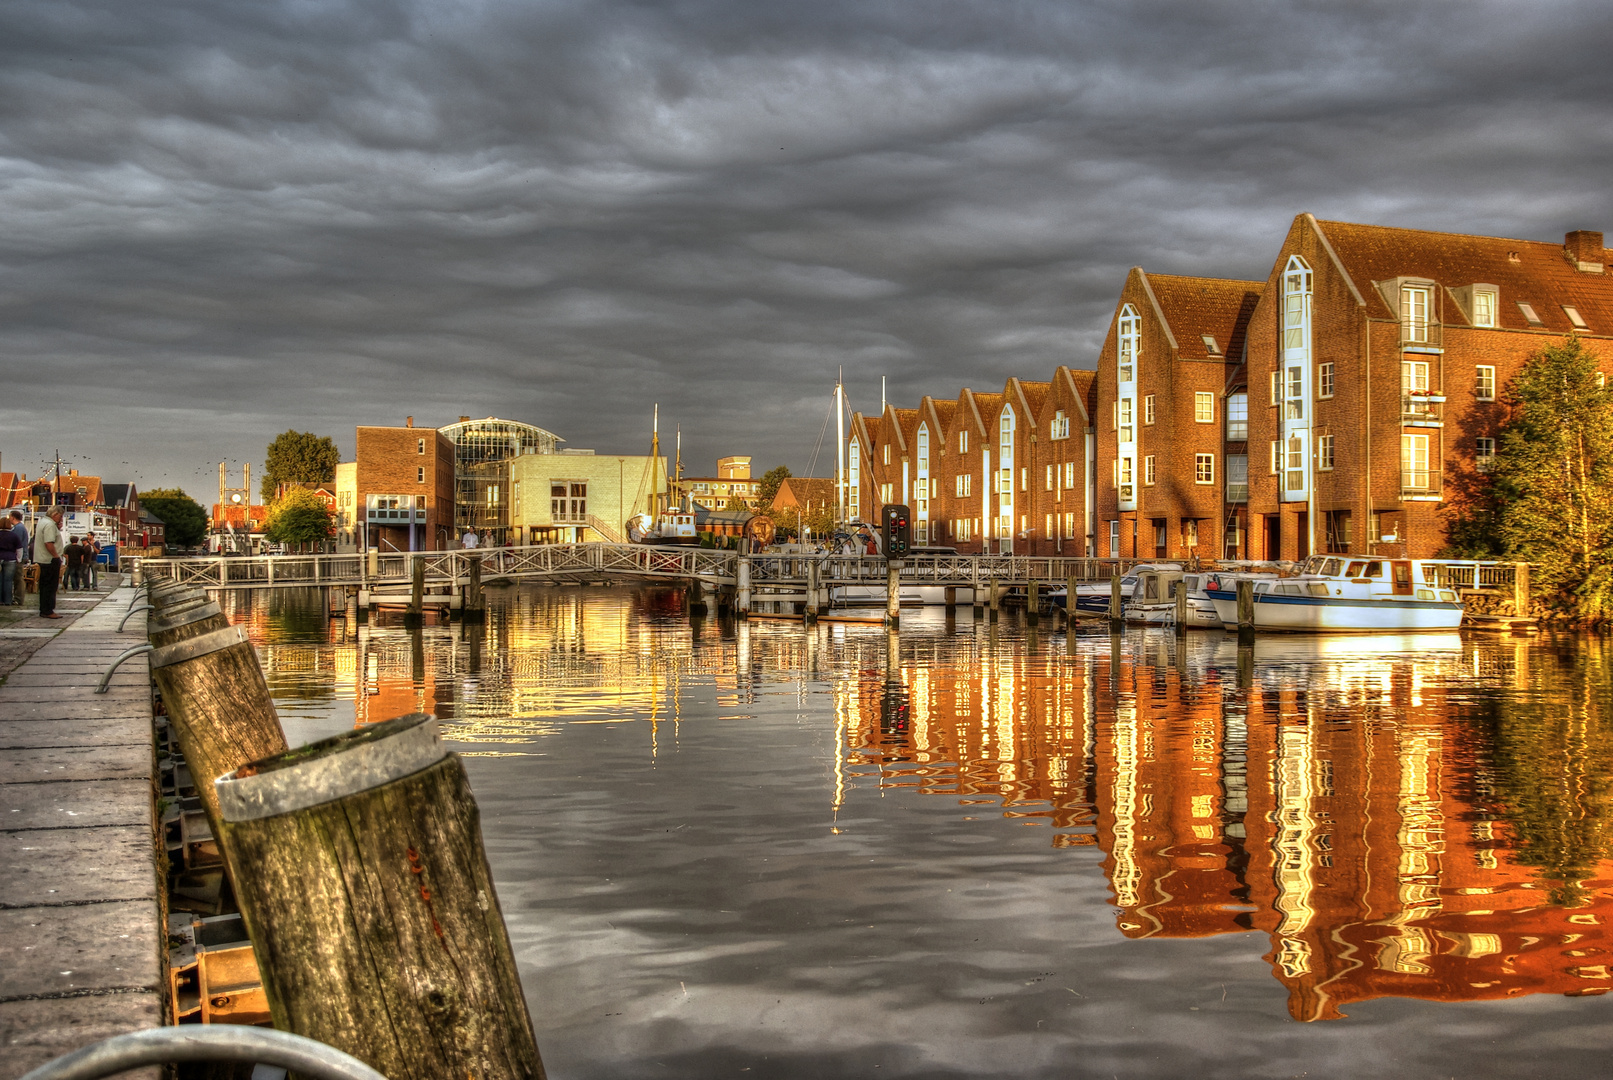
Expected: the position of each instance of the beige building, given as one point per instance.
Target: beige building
(578, 495)
(346, 517)
(731, 486)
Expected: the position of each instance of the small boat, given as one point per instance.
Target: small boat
(1339, 594)
(1154, 603)
(673, 527)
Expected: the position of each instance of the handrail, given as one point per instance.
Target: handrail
(219, 1042)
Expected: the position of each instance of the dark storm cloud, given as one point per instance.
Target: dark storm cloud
(219, 220)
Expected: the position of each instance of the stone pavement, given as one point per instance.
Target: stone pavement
(80, 921)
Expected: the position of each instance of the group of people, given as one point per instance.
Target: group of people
(79, 555)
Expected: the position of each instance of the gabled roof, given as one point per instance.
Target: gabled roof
(1193, 307)
(1081, 385)
(1535, 272)
(983, 410)
(805, 490)
(900, 422)
(1030, 396)
(939, 414)
(118, 494)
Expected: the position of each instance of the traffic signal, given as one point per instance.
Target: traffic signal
(897, 528)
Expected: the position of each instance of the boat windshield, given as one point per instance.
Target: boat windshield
(1330, 568)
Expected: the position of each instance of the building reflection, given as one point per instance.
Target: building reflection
(1424, 817)
(1391, 829)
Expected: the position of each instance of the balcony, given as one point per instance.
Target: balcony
(1422, 408)
(1421, 485)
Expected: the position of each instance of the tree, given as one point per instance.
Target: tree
(299, 517)
(1548, 499)
(184, 521)
(298, 457)
(771, 480)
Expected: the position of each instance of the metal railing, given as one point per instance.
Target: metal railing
(222, 1042)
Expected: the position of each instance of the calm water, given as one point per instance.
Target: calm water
(754, 851)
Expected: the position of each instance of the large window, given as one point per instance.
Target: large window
(924, 449)
(1294, 464)
(1484, 454)
(1414, 471)
(1127, 429)
(1324, 451)
(1204, 468)
(1114, 539)
(963, 483)
(1324, 379)
(1125, 478)
(1296, 304)
(1484, 382)
(1060, 427)
(1148, 409)
(1414, 313)
(1296, 392)
(1203, 407)
(1413, 377)
(1484, 307)
(568, 502)
(1238, 417)
(1148, 469)
(1130, 327)
(1237, 478)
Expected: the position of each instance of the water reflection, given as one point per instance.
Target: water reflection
(1418, 818)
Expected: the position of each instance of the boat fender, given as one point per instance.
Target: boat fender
(1214, 583)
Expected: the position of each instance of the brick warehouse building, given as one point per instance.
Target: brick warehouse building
(1339, 405)
(404, 487)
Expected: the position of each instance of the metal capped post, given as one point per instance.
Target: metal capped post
(371, 906)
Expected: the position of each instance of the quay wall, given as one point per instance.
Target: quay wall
(80, 912)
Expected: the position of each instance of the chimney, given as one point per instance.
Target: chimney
(408, 421)
(462, 419)
(1584, 250)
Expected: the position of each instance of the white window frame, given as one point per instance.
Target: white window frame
(1204, 468)
(1130, 337)
(1324, 453)
(1128, 431)
(1484, 382)
(1148, 470)
(1148, 409)
(420, 474)
(1060, 427)
(1203, 407)
(1484, 453)
(1324, 379)
(1486, 306)
(1416, 307)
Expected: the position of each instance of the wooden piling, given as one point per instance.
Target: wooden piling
(1246, 610)
(1520, 588)
(1070, 584)
(1181, 607)
(993, 598)
(812, 610)
(1033, 602)
(475, 609)
(414, 615)
(371, 907)
(742, 587)
(1117, 609)
(218, 704)
(893, 592)
(193, 620)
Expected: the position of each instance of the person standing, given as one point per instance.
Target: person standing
(20, 530)
(47, 553)
(8, 563)
(92, 565)
(470, 539)
(74, 564)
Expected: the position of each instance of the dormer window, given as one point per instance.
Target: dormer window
(1529, 313)
(1414, 313)
(1210, 345)
(1576, 318)
(1484, 307)
(1060, 427)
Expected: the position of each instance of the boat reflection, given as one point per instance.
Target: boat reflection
(1436, 829)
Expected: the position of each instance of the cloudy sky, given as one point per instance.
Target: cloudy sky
(220, 219)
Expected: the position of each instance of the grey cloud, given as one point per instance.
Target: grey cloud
(221, 220)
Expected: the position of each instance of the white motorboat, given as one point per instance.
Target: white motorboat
(1340, 594)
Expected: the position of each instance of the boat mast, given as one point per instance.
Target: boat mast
(655, 462)
(840, 448)
(675, 489)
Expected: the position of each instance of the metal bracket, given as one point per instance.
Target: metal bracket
(127, 654)
(215, 1042)
(127, 615)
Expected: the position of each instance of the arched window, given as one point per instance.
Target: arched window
(1130, 335)
(1296, 304)
(921, 490)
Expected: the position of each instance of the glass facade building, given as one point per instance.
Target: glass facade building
(483, 450)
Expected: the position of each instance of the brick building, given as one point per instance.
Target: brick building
(403, 488)
(1339, 405)
(1377, 361)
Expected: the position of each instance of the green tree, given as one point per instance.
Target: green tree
(300, 517)
(1550, 496)
(298, 457)
(184, 520)
(771, 479)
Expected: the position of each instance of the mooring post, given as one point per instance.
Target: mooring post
(179, 624)
(217, 700)
(1181, 607)
(1033, 602)
(414, 615)
(742, 586)
(993, 598)
(1069, 596)
(949, 596)
(1246, 611)
(475, 600)
(893, 592)
(976, 597)
(1117, 610)
(371, 908)
(811, 591)
(1520, 588)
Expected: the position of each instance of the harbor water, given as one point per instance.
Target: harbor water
(987, 850)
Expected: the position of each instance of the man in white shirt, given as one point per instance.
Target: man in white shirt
(48, 554)
(470, 539)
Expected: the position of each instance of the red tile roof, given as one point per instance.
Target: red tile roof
(1196, 306)
(1535, 272)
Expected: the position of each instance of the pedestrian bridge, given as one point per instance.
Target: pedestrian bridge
(573, 563)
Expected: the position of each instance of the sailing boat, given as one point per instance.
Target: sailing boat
(666, 523)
